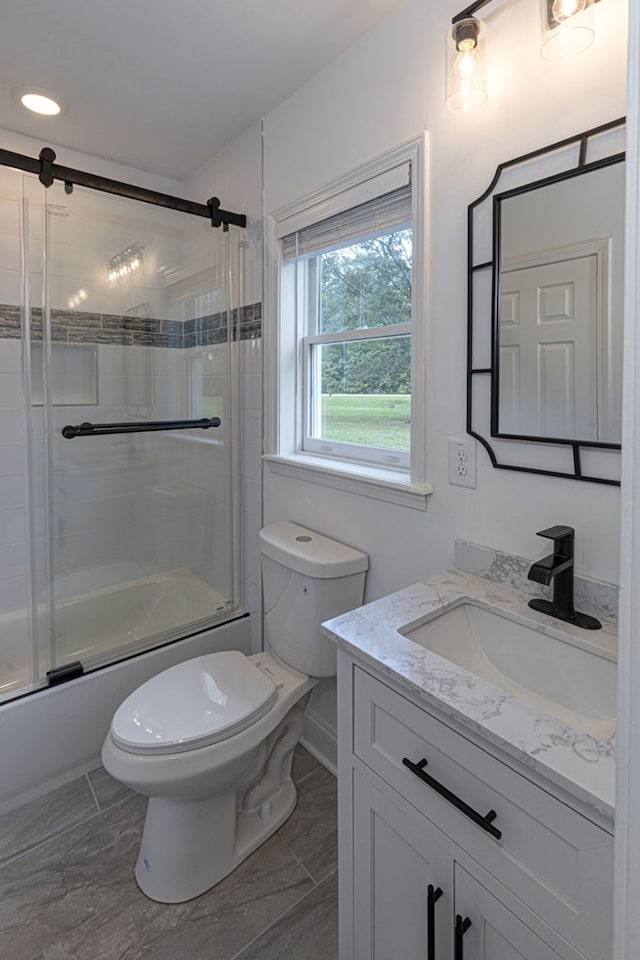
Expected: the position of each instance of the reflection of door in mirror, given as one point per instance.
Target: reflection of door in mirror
(548, 336)
(559, 322)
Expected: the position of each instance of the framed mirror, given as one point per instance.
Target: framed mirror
(545, 302)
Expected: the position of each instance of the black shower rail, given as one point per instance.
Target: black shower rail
(48, 171)
(143, 426)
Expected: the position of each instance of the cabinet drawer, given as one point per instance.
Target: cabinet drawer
(555, 860)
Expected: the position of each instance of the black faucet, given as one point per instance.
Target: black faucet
(558, 566)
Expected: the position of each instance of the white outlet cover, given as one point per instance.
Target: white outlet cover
(462, 461)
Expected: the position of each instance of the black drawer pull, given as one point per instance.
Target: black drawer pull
(485, 822)
(461, 928)
(432, 898)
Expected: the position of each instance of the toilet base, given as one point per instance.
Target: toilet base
(171, 867)
(190, 845)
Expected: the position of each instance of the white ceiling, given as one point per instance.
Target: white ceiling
(164, 84)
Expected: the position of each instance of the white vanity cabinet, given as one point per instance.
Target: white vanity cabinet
(416, 855)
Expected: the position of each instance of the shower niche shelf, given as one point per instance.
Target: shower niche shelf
(74, 375)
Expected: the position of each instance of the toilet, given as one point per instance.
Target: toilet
(210, 741)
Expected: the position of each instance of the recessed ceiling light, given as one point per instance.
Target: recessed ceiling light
(40, 104)
(39, 101)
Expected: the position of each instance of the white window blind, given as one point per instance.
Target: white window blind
(376, 216)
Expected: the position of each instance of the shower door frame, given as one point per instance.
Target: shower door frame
(48, 172)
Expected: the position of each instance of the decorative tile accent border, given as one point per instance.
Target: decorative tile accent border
(71, 326)
(591, 596)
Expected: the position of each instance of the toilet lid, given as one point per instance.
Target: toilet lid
(193, 704)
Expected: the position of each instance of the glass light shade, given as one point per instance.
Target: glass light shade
(466, 87)
(567, 28)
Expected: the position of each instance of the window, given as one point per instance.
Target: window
(351, 331)
(354, 273)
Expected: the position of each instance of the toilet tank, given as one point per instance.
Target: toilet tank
(307, 578)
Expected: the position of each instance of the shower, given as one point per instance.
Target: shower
(119, 516)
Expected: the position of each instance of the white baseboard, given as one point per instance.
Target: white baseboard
(320, 740)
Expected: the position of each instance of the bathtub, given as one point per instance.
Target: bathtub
(55, 734)
(101, 625)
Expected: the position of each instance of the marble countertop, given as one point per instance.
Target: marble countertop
(578, 763)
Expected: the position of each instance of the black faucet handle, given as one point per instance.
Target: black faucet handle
(559, 532)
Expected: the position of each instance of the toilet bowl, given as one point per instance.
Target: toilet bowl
(210, 741)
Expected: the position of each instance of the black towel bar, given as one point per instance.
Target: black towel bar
(142, 426)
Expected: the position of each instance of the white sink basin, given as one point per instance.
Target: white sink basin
(559, 676)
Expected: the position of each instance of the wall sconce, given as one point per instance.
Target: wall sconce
(567, 28)
(466, 65)
(125, 263)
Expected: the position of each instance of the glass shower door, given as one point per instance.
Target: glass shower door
(137, 331)
(23, 662)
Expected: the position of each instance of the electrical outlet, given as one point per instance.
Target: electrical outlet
(462, 462)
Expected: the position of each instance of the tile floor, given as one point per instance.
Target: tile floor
(67, 890)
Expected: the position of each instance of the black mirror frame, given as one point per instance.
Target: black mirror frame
(580, 143)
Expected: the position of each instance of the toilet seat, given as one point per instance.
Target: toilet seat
(194, 704)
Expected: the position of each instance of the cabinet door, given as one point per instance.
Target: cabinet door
(397, 856)
(495, 932)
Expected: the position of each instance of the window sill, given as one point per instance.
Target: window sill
(366, 481)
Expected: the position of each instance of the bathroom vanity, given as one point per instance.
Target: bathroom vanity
(475, 809)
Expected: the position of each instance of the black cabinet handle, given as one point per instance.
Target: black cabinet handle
(458, 944)
(432, 898)
(485, 822)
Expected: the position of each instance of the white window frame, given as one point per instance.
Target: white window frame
(284, 343)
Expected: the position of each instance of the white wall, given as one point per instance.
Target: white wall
(383, 91)
(627, 852)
